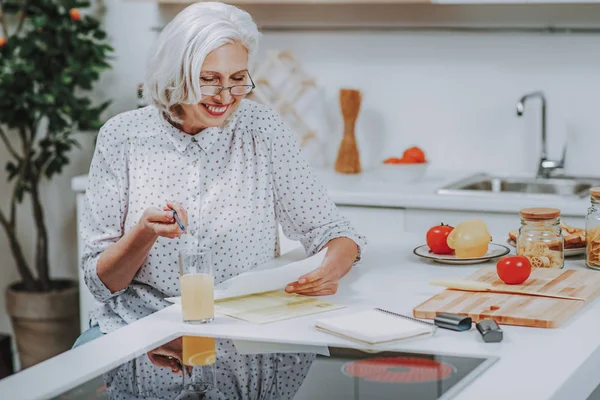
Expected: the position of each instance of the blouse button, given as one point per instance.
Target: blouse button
(193, 232)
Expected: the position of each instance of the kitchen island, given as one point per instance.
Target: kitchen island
(533, 363)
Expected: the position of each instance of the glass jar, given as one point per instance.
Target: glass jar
(592, 230)
(540, 238)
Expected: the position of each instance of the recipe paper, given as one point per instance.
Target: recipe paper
(256, 296)
(275, 274)
(263, 308)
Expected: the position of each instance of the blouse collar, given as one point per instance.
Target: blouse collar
(204, 139)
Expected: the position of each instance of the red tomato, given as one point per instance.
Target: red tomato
(391, 160)
(513, 270)
(414, 154)
(436, 239)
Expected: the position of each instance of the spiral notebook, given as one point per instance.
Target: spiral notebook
(375, 326)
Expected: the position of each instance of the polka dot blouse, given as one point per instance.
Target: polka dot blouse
(238, 182)
(273, 376)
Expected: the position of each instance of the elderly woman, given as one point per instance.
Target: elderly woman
(229, 167)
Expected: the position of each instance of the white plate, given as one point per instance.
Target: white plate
(568, 252)
(494, 251)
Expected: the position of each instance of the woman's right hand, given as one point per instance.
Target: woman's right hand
(162, 223)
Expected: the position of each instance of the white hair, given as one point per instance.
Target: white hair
(173, 70)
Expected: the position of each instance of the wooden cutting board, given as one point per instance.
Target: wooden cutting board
(516, 309)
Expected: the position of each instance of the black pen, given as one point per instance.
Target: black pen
(178, 220)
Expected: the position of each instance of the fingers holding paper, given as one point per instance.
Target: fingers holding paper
(321, 281)
(324, 280)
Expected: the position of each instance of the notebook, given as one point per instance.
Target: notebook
(375, 326)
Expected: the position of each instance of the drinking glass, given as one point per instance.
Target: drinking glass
(197, 285)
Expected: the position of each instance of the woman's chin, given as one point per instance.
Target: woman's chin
(212, 121)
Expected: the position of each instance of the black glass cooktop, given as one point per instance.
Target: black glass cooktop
(206, 368)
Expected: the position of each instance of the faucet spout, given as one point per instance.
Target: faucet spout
(542, 171)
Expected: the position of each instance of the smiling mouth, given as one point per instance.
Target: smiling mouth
(215, 111)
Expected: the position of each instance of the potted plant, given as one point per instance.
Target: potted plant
(50, 55)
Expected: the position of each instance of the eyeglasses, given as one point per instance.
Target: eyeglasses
(235, 90)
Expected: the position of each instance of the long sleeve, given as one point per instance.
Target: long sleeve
(105, 207)
(303, 207)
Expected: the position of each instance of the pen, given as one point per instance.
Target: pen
(178, 220)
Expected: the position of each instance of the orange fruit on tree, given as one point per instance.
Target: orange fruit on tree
(2, 40)
(75, 14)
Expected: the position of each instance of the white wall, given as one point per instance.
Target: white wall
(452, 94)
(455, 94)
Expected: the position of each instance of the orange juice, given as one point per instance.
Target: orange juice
(198, 351)
(197, 297)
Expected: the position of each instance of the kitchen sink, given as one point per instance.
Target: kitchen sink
(564, 186)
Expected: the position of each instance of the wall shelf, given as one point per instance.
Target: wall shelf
(394, 14)
(306, 2)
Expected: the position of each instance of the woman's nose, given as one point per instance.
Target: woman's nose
(224, 97)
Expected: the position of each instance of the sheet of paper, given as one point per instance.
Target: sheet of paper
(249, 347)
(272, 275)
(263, 308)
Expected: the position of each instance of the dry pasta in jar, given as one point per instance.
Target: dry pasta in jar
(592, 228)
(540, 238)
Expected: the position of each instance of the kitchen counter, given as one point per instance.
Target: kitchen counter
(372, 189)
(534, 363)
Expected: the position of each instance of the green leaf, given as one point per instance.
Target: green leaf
(12, 169)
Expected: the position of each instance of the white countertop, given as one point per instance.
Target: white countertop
(534, 363)
(372, 189)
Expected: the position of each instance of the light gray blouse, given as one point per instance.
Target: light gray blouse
(238, 182)
(274, 376)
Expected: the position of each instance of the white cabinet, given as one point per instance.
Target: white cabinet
(371, 221)
(86, 300)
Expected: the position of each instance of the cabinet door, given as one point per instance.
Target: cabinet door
(375, 221)
(368, 221)
(86, 301)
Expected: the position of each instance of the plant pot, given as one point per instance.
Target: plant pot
(45, 324)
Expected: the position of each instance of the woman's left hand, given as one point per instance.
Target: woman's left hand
(341, 255)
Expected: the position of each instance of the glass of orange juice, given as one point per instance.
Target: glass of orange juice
(199, 351)
(197, 285)
(199, 373)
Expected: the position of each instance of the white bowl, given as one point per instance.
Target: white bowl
(402, 173)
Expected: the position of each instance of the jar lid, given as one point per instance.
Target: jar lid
(540, 213)
(595, 192)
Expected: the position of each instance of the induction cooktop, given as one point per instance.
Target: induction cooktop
(214, 368)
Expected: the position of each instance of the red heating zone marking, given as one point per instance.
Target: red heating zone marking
(399, 369)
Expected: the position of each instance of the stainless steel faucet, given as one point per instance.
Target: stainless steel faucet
(546, 167)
